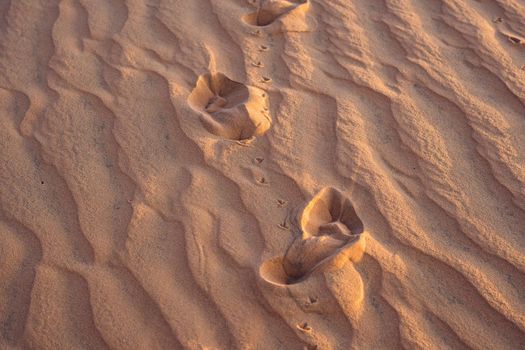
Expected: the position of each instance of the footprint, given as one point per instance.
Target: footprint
(228, 108)
(262, 180)
(312, 300)
(329, 226)
(270, 10)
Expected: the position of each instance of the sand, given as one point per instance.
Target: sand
(308, 174)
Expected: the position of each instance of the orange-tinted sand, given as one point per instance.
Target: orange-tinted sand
(268, 174)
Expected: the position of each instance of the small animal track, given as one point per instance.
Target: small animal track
(329, 225)
(312, 300)
(230, 109)
(270, 10)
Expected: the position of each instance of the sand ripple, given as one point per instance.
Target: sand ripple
(269, 174)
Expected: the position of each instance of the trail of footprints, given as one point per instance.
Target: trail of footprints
(327, 226)
(230, 109)
(233, 110)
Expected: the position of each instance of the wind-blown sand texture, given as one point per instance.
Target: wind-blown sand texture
(231, 174)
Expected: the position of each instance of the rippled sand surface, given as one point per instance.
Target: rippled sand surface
(269, 174)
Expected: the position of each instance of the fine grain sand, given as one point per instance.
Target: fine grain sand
(269, 174)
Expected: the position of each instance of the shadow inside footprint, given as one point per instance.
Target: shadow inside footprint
(230, 109)
(269, 10)
(329, 226)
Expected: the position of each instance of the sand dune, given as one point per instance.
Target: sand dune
(264, 174)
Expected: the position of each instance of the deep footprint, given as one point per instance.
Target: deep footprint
(270, 10)
(329, 226)
(230, 109)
